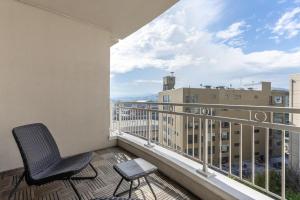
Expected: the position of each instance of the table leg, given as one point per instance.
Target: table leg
(117, 187)
(150, 187)
(130, 190)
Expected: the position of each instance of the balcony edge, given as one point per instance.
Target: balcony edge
(184, 171)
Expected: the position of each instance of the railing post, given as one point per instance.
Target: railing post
(204, 170)
(283, 164)
(149, 143)
(253, 155)
(241, 152)
(267, 159)
(120, 120)
(220, 145)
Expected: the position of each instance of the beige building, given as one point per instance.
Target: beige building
(294, 140)
(221, 95)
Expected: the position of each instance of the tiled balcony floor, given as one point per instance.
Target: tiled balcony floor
(102, 186)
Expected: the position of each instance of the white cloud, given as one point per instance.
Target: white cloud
(288, 25)
(281, 1)
(232, 31)
(180, 41)
(158, 43)
(141, 81)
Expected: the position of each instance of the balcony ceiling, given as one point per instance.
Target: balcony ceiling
(120, 17)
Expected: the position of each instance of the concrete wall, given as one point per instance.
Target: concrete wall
(56, 71)
(294, 160)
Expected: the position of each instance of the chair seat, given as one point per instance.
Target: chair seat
(134, 169)
(65, 168)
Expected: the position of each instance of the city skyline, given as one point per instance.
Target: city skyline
(232, 46)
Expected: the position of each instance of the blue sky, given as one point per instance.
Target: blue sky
(217, 42)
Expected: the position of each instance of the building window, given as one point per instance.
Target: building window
(196, 152)
(213, 149)
(257, 153)
(256, 141)
(236, 144)
(225, 135)
(164, 118)
(190, 139)
(211, 135)
(278, 118)
(190, 151)
(166, 98)
(187, 99)
(213, 125)
(225, 124)
(237, 132)
(225, 148)
(225, 160)
(170, 120)
(278, 99)
(191, 99)
(256, 130)
(286, 101)
(237, 156)
(190, 125)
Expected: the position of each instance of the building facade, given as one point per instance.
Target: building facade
(181, 129)
(294, 140)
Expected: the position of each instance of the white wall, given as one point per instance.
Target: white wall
(56, 71)
(294, 160)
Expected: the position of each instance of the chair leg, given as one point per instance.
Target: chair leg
(74, 188)
(130, 190)
(16, 186)
(87, 177)
(150, 187)
(117, 187)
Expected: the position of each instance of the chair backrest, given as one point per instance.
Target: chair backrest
(37, 147)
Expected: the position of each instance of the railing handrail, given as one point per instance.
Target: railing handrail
(273, 109)
(248, 122)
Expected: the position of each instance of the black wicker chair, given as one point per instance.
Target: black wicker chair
(42, 160)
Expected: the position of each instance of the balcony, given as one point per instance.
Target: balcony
(55, 69)
(242, 162)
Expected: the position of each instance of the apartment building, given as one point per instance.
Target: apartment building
(294, 140)
(181, 129)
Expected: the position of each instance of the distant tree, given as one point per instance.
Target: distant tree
(292, 183)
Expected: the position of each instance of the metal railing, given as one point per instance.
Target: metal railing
(236, 140)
